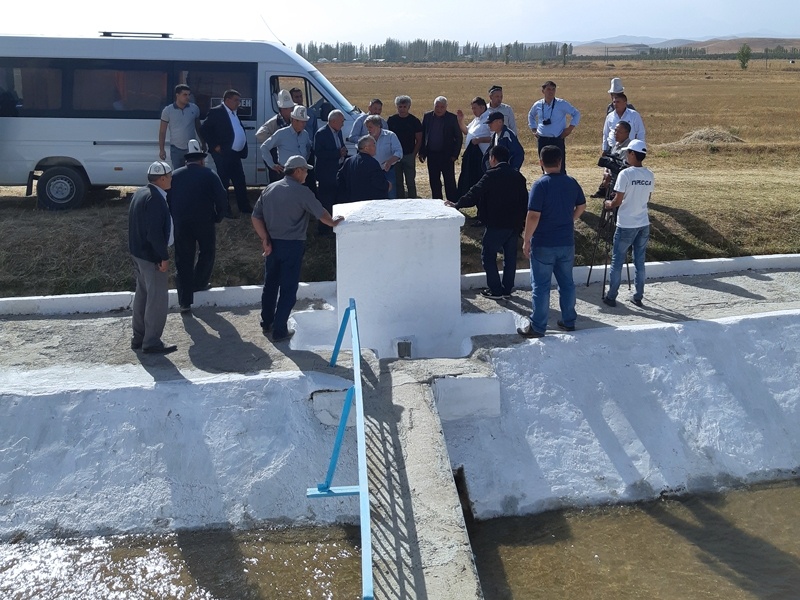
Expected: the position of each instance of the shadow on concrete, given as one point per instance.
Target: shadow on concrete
(395, 545)
(226, 352)
(160, 367)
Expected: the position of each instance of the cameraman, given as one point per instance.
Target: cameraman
(616, 153)
(632, 193)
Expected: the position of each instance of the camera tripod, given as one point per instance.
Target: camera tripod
(606, 227)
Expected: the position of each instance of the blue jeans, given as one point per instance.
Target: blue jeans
(494, 241)
(177, 157)
(546, 262)
(637, 238)
(281, 280)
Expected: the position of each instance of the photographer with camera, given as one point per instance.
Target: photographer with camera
(633, 189)
(614, 159)
(548, 121)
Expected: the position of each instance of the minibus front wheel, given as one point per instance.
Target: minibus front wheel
(61, 188)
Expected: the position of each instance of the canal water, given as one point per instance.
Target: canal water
(744, 544)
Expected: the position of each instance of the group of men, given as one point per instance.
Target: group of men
(545, 217)
(184, 206)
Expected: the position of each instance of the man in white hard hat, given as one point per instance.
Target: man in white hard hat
(149, 237)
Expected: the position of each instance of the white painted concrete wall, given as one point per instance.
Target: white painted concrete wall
(612, 415)
(401, 262)
(138, 456)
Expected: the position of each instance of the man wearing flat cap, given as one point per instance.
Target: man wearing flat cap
(197, 201)
(149, 239)
(280, 218)
(496, 105)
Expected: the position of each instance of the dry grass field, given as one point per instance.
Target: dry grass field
(712, 198)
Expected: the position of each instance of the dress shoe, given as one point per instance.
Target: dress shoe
(638, 302)
(283, 338)
(162, 349)
(565, 327)
(136, 345)
(186, 310)
(529, 332)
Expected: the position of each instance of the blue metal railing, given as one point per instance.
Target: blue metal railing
(324, 490)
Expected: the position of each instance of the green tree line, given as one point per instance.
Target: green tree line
(432, 51)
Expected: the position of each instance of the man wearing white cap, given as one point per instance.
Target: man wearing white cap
(632, 193)
(289, 141)
(279, 121)
(616, 88)
(280, 218)
(149, 238)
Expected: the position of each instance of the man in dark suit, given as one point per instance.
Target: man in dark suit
(501, 196)
(361, 176)
(331, 152)
(441, 145)
(149, 238)
(197, 201)
(224, 133)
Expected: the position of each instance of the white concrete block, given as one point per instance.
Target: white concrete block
(473, 395)
(328, 408)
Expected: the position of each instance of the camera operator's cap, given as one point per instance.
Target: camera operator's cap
(616, 86)
(636, 146)
(495, 116)
(300, 113)
(195, 150)
(285, 99)
(159, 168)
(297, 162)
(495, 88)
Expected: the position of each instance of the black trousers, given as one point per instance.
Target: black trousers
(554, 141)
(442, 166)
(193, 276)
(230, 171)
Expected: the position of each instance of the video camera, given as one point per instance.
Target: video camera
(613, 164)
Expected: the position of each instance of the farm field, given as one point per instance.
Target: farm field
(713, 197)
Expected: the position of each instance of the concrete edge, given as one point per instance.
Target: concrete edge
(250, 295)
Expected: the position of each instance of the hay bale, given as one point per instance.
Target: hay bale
(709, 135)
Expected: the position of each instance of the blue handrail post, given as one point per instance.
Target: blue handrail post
(324, 490)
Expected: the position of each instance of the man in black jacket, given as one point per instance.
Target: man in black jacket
(441, 145)
(501, 196)
(361, 176)
(224, 133)
(149, 237)
(197, 201)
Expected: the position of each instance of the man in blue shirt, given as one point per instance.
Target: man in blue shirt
(556, 201)
(548, 121)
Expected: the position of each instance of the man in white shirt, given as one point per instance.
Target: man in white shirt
(496, 105)
(622, 112)
(632, 193)
(388, 150)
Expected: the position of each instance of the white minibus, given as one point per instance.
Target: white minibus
(77, 113)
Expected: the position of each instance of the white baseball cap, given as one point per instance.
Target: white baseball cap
(636, 146)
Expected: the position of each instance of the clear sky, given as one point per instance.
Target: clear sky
(463, 20)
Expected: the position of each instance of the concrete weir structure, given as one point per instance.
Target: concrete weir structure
(696, 391)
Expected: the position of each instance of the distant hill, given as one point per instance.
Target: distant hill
(712, 46)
